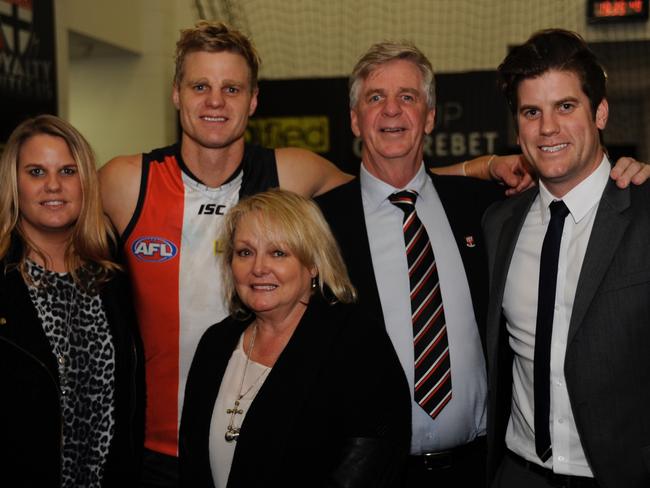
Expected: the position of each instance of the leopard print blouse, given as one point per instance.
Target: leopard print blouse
(77, 329)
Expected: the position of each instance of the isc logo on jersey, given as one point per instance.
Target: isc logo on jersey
(212, 209)
(154, 249)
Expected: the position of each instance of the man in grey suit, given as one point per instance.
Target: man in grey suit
(568, 330)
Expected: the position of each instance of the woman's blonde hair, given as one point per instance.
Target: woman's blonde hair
(293, 221)
(92, 235)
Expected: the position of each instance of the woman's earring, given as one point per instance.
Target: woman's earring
(314, 282)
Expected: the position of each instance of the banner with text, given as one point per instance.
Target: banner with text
(27, 62)
(471, 119)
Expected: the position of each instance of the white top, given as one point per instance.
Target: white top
(221, 451)
(463, 418)
(520, 310)
(200, 283)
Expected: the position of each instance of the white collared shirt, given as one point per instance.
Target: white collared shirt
(463, 418)
(520, 310)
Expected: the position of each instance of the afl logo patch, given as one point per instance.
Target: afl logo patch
(154, 249)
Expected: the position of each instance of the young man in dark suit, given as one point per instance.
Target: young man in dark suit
(569, 315)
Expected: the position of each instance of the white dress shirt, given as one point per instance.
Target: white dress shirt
(520, 310)
(463, 418)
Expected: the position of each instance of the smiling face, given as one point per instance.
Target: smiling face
(558, 133)
(214, 99)
(49, 188)
(392, 116)
(269, 279)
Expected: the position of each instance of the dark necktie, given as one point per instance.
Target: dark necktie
(544, 327)
(431, 349)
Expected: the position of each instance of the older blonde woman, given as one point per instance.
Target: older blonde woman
(69, 411)
(295, 388)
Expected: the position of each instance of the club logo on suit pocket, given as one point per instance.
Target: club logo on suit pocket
(469, 241)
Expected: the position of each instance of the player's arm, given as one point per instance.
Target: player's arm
(307, 173)
(119, 183)
(629, 170)
(511, 170)
(515, 173)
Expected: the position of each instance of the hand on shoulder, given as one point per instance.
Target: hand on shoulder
(629, 170)
(510, 170)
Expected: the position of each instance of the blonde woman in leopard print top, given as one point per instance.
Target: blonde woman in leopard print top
(71, 409)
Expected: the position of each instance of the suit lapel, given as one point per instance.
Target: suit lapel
(513, 220)
(347, 219)
(463, 202)
(506, 244)
(511, 216)
(608, 230)
(359, 260)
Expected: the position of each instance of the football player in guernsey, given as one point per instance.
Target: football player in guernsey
(168, 205)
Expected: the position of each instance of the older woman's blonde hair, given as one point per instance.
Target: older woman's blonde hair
(92, 235)
(297, 223)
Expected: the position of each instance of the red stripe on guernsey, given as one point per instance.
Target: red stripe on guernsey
(159, 320)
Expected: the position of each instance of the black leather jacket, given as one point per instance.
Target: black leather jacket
(30, 412)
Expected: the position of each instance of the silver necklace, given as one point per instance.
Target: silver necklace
(63, 356)
(232, 431)
(61, 349)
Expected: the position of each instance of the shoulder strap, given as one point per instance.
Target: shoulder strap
(260, 170)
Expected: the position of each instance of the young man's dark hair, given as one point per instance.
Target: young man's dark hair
(553, 49)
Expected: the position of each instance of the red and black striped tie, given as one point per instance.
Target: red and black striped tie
(431, 347)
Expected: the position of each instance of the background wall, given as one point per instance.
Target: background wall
(116, 69)
(115, 58)
(299, 38)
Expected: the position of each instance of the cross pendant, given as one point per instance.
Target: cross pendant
(236, 410)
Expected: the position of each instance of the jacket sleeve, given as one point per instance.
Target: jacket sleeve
(374, 452)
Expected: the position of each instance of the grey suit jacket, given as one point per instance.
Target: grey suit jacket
(607, 364)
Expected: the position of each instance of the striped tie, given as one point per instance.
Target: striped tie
(431, 349)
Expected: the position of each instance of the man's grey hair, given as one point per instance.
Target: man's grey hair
(384, 52)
